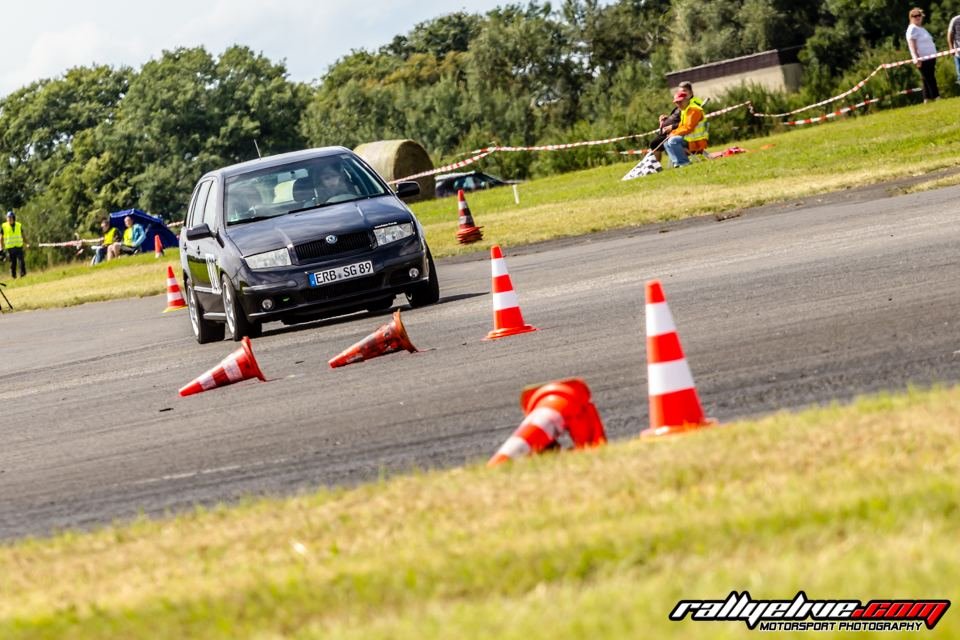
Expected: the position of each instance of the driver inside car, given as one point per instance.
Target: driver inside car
(332, 183)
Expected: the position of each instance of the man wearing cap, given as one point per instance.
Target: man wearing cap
(12, 242)
(669, 122)
(690, 136)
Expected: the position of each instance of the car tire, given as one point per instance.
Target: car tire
(203, 330)
(426, 292)
(237, 323)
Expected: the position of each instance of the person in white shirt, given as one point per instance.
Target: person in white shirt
(921, 45)
(953, 42)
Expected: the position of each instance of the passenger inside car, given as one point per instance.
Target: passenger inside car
(304, 191)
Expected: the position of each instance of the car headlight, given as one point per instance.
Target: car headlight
(393, 232)
(269, 259)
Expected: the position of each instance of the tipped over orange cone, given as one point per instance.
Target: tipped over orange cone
(157, 246)
(674, 404)
(507, 318)
(175, 299)
(468, 231)
(239, 365)
(389, 338)
(551, 410)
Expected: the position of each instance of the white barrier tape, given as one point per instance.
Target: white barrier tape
(840, 112)
(76, 244)
(714, 114)
(565, 145)
(455, 165)
(939, 54)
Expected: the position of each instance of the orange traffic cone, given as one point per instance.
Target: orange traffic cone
(157, 246)
(239, 365)
(175, 299)
(468, 232)
(387, 339)
(674, 404)
(507, 319)
(554, 408)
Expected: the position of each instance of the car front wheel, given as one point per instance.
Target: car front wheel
(237, 323)
(203, 330)
(428, 292)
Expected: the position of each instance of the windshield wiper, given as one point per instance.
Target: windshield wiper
(246, 220)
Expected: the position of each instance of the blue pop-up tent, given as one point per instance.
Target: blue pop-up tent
(152, 225)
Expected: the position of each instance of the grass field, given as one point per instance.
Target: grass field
(833, 156)
(856, 502)
(77, 283)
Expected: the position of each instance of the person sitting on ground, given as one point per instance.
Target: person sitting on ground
(670, 121)
(110, 235)
(133, 237)
(690, 136)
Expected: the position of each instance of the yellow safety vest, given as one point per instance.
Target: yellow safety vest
(110, 236)
(128, 236)
(700, 131)
(12, 236)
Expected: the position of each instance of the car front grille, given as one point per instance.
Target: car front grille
(346, 243)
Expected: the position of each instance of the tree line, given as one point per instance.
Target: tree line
(98, 139)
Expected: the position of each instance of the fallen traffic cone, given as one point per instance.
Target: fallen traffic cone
(552, 409)
(468, 232)
(239, 365)
(389, 338)
(507, 319)
(175, 299)
(674, 404)
(157, 246)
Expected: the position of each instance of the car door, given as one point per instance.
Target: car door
(203, 253)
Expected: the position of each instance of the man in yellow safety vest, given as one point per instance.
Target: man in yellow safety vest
(690, 136)
(12, 242)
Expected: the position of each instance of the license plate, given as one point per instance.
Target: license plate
(345, 272)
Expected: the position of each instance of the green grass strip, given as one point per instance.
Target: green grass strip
(861, 501)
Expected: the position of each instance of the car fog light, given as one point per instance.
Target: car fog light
(267, 304)
(414, 273)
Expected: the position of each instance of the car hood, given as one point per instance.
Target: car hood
(314, 224)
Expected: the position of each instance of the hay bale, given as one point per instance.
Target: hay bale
(395, 159)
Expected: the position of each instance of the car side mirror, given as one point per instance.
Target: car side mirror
(199, 231)
(408, 189)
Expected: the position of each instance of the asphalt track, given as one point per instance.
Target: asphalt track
(777, 308)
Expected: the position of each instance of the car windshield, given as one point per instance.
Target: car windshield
(308, 184)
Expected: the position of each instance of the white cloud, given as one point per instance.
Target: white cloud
(52, 36)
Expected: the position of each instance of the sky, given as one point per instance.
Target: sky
(44, 38)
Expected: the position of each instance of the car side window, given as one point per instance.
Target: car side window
(210, 207)
(196, 204)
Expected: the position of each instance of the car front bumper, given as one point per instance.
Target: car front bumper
(291, 294)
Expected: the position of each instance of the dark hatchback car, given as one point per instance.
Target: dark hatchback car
(449, 184)
(296, 237)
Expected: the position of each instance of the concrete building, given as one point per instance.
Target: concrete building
(777, 69)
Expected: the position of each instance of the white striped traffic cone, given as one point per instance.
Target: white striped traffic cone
(552, 409)
(468, 231)
(674, 404)
(239, 365)
(175, 299)
(507, 318)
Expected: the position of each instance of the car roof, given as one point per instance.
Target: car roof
(275, 161)
(458, 175)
